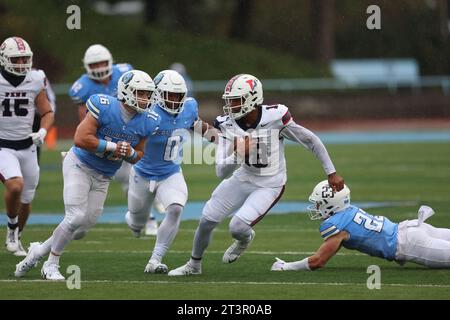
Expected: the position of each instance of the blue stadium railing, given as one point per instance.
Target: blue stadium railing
(318, 84)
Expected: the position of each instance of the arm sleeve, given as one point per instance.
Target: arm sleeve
(310, 141)
(226, 161)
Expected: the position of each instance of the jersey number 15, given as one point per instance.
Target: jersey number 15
(18, 111)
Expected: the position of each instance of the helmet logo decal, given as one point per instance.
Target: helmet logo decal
(158, 78)
(230, 83)
(20, 44)
(127, 78)
(327, 192)
(252, 83)
(3, 46)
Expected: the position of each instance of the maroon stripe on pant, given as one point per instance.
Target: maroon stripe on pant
(273, 203)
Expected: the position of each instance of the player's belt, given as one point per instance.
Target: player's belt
(16, 144)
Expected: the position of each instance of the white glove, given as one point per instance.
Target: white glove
(278, 265)
(38, 137)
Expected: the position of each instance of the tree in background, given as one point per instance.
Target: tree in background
(322, 14)
(241, 19)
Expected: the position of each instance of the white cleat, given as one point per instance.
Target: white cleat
(185, 270)
(50, 271)
(21, 252)
(29, 262)
(237, 249)
(136, 232)
(278, 265)
(154, 266)
(151, 227)
(12, 239)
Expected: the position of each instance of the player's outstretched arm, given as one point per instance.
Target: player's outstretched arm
(312, 142)
(207, 131)
(318, 260)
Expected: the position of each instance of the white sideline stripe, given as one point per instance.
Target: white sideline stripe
(236, 282)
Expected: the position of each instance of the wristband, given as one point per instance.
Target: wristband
(111, 146)
(133, 156)
(101, 147)
(298, 265)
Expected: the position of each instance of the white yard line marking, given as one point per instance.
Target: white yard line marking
(213, 252)
(269, 283)
(127, 231)
(187, 252)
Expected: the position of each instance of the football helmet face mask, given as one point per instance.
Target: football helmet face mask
(244, 88)
(135, 89)
(326, 202)
(98, 62)
(16, 56)
(171, 91)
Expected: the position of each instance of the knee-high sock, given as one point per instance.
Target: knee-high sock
(45, 247)
(167, 231)
(62, 235)
(202, 237)
(239, 229)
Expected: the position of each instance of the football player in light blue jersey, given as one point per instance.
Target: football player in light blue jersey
(351, 227)
(158, 173)
(114, 130)
(101, 77)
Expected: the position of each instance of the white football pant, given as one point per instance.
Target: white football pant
(142, 192)
(84, 195)
(246, 200)
(21, 163)
(423, 244)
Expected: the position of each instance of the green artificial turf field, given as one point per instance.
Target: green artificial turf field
(112, 261)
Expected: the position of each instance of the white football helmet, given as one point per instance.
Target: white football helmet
(130, 83)
(94, 54)
(170, 81)
(326, 202)
(15, 47)
(245, 87)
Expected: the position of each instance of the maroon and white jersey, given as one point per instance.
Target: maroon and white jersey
(17, 105)
(266, 164)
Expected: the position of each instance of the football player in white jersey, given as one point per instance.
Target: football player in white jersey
(250, 148)
(22, 91)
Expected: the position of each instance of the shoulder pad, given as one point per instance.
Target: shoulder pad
(123, 67)
(97, 104)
